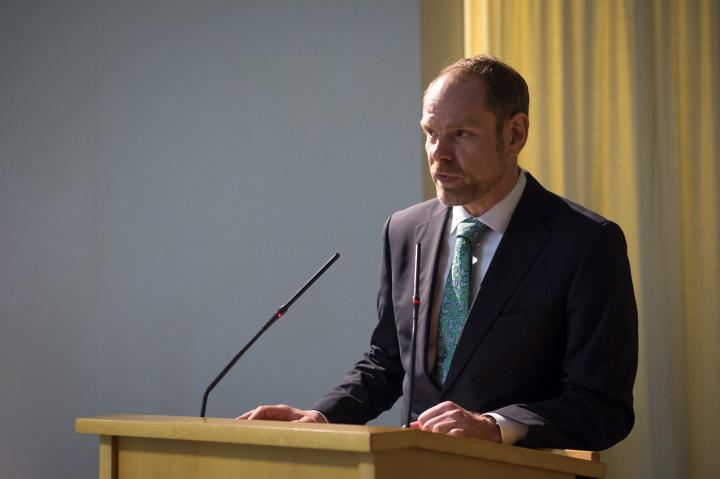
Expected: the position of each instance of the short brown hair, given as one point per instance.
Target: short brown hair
(506, 92)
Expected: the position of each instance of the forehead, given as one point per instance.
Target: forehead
(454, 96)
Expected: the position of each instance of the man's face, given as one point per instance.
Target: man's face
(470, 162)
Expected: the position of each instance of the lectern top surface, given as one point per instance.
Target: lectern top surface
(338, 437)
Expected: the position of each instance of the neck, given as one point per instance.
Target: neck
(498, 192)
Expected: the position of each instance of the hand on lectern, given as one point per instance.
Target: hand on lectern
(449, 418)
(283, 412)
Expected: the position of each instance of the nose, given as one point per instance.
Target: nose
(439, 151)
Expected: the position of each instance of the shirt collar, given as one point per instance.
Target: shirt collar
(498, 216)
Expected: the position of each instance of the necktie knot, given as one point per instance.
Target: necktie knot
(472, 230)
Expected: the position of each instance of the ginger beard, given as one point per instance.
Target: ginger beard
(467, 190)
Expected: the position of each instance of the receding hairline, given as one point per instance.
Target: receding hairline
(455, 79)
(504, 89)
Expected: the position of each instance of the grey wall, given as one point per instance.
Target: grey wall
(170, 172)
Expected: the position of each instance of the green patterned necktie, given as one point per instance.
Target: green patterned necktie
(457, 296)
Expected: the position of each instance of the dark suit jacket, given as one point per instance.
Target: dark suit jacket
(550, 340)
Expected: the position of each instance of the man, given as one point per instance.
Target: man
(527, 325)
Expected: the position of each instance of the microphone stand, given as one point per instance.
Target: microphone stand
(278, 314)
(415, 307)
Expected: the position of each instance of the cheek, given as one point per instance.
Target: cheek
(481, 156)
(428, 149)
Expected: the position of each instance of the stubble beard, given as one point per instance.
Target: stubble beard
(462, 195)
(472, 191)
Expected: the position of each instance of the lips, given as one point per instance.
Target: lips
(446, 177)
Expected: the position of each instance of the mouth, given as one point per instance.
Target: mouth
(446, 178)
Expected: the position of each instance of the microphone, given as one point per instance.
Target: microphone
(413, 344)
(278, 314)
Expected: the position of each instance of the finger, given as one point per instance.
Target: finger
(454, 416)
(431, 423)
(443, 427)
(456, 432)
(270, 414)
(246, 415)
(306, 418)
(415, 425)
(274, 413)
(437, 410)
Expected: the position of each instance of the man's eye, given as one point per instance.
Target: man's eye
(461, 133)
(429, 132)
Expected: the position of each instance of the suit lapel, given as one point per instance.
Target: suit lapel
(429, 235)
(522, 242)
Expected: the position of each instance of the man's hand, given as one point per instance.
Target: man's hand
(283, 412)
(449, 418)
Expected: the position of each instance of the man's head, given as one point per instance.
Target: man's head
(475, 118)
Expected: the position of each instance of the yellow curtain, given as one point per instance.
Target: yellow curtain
(625, 119)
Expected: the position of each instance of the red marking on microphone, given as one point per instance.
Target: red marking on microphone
(416, 300)
(279, 314)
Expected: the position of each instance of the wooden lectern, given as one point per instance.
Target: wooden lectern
(138, 447)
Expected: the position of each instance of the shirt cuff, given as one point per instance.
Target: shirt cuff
(510, 430)
(323, 415)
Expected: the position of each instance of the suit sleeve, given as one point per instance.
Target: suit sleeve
(594, 409)
(375, 382)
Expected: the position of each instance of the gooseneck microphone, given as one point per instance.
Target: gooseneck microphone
(413, 344)
(278, 314)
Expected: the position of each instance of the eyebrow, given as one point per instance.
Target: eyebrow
(454, 126)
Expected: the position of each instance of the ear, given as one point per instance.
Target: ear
(516, 129)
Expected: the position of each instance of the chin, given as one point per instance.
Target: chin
(454, 198)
